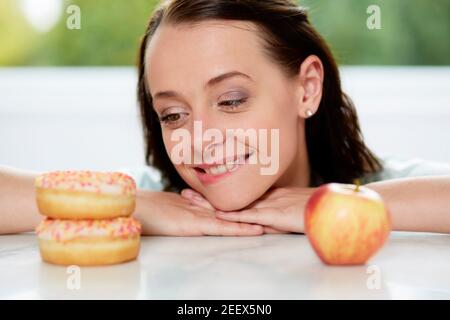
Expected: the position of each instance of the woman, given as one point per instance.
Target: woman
(249, 65)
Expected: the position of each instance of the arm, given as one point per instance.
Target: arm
(19, 212)
(417, 204)
(168, 214)
(161, 213)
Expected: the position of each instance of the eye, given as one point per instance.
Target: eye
(173, 119)
(232, 104)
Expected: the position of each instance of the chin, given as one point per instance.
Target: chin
(234, 192)
(233, 198)
(229, 203)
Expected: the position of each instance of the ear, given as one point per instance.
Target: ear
(310, 86)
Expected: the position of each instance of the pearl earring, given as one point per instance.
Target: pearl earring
(308, 113)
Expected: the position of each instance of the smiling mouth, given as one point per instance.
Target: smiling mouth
(219, 169)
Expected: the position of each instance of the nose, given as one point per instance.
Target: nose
(208, 138)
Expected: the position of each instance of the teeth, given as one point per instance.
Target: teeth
(216, 170)
(229, 166)
(240, 160)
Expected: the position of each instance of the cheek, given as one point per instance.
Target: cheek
(285, 119)
(172, 146)
(289, 143)
(277, 111)
(168, 143)
(281, 116)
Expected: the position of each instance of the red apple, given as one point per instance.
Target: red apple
(346, 224)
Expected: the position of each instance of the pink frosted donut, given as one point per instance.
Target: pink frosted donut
(89, 242)
(85, 194)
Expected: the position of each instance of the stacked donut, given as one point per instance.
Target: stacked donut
(88, 217)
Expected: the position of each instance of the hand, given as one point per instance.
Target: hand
(279, 210)
(168, 214)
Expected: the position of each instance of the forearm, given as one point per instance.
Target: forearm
(417, 204)
(18, 212)
(146, 213)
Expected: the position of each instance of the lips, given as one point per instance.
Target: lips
(208, 173)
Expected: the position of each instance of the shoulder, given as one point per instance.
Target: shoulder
(146, 177)
(400, 167)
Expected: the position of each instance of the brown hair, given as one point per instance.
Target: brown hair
(337, 152)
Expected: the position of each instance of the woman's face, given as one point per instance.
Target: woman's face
(255, 95)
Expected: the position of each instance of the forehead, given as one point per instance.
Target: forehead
(178, 53)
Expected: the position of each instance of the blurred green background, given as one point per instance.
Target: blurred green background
(34, 32)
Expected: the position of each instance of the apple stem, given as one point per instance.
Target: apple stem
(358, 183)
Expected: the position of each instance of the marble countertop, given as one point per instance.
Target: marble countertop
(410, 266)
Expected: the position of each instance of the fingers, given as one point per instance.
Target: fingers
(191, 194)
(271, 219)
(210, 225)
(216, 227)
(263, 216)
(270, 230)
(196, 198)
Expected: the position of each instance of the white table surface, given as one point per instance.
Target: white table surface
(411, 265)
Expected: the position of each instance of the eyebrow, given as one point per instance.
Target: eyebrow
(210, 83)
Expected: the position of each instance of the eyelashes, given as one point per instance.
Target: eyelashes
(172, 119)
(232, 103)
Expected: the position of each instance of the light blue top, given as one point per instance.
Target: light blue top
(397, 167)
(149, 178)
